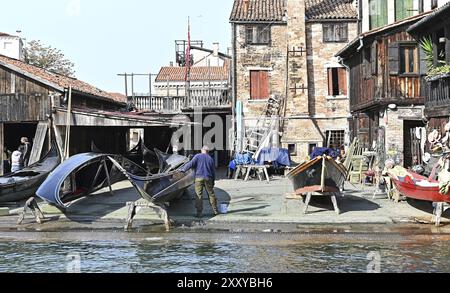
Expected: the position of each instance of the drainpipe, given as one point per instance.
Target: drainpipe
(234, 85)
(361, 43)
(341, 61)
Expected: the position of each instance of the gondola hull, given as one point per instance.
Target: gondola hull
(160, 188)
(322, 175)
(19, 186)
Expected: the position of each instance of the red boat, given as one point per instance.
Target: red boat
(420, 188)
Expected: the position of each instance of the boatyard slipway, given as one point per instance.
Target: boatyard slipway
(253, 205)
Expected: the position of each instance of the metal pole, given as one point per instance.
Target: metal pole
(126, 84)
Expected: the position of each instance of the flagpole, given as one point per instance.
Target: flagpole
(188, 63)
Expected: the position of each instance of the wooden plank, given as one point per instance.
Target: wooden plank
(38, 143)
(1, 149)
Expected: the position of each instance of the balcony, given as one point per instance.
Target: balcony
(438, 96)
(211, 98)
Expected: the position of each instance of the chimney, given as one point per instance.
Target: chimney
(171, 64)
(216, 48)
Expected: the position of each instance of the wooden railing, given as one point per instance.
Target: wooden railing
(199, 97)
(438, 94)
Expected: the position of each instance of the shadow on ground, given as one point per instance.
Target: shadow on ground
(346, 204)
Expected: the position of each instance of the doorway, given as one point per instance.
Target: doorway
(413, 143)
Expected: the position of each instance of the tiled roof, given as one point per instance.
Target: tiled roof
(215, 73)
(274, 10)
(56, 81)
(258, 10)
(330, 9)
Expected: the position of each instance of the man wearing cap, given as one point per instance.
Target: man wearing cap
(205, 176)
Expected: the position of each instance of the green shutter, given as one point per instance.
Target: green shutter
(383, 15)
(403, 9)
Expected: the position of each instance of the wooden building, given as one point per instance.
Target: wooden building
(437, 99)
(34, 101)
(387, 89)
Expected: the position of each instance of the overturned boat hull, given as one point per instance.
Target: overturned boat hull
(160, 188)
(22, 185)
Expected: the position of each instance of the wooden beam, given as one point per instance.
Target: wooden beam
(447, 43)
(1, 149)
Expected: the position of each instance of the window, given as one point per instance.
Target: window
(335, 139)
(337, 82)
(403, 9)
(378, 13)
(311, 148)
(259, 85)
(258, 35)
(409, 59)
(335, 32)
(292, 149)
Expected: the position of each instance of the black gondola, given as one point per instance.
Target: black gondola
(21, 185)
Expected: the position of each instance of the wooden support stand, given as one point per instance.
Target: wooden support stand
(439, 209)
(333, 200)
(133, 208)
(32, 206)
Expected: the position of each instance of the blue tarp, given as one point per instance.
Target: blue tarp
(278, 157)
(275, 156)
(318, 152)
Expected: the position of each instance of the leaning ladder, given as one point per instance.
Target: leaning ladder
(261, 134)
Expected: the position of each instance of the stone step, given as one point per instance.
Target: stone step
(4, 212)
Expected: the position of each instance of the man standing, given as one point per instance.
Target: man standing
(26, 150)
(205, 176)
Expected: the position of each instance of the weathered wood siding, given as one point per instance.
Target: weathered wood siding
(381, 85)
(22, 99)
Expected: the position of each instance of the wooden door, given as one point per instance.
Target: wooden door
(1, 149)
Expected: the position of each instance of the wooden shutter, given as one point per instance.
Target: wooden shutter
(264, 85)
(342, 77)
(394, 62)
(330, 81)
(374, 58)
(249, 35)
(254, 85)
(327, 32)
(423, 68)
(259, 85)
(2, 151)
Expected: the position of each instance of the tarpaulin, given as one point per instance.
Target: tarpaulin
(278, 157)
(318, 152)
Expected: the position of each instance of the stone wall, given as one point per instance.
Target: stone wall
(260, 57)
(325, 113)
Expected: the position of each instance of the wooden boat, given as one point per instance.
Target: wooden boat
(84, 174)
(322, 175)
(80, 176)
(22, 185)
(422, 188)
(164, 187)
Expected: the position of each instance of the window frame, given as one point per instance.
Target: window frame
(335, 27)
(257, 31)
(335, 135)
(335, 74)
(404, 62)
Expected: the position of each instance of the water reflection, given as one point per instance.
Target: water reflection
(229, 253)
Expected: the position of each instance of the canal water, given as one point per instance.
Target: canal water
(222, 253)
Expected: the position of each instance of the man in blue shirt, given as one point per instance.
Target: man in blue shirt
(205, 176)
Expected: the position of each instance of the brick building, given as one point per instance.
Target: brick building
(285, 49)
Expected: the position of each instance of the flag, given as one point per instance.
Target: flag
(188, 53)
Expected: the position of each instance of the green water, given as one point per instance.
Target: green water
(237, 253)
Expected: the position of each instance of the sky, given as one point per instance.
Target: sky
(107, 37)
